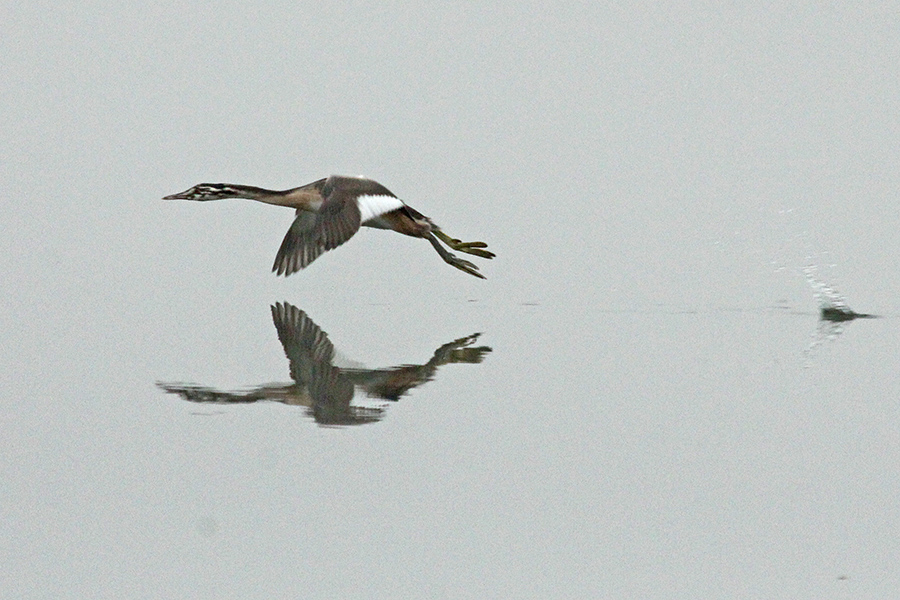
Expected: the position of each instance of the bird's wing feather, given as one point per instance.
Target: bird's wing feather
(338, 219)
(299, 247)
(349, 203)
(344, 211)
(375, 205)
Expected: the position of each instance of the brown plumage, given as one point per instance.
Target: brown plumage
(330, 211)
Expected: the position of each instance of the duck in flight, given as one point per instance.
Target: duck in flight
(331, 210)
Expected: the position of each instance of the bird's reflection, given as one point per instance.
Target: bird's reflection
(327, 390)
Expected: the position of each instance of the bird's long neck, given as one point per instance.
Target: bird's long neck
(307, 197)
(249, 192)
(204, 192)
(218, 191)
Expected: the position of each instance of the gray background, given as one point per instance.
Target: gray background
(661, 416)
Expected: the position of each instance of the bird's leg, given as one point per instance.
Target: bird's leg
(475, 248)
(453, 260)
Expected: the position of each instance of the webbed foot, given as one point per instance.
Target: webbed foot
(453, 260)
(475, 248)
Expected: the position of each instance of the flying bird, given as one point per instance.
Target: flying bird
(331, 210)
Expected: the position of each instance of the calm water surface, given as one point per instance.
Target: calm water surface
(659, 452)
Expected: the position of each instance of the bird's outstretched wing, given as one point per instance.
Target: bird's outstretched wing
(348, 203)
(300, 245)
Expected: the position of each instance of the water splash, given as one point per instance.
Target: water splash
(830, 302)
(827, 297)
(832, 305)
(833, 312)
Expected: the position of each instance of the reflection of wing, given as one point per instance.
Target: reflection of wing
(304, 343)
(311, 353)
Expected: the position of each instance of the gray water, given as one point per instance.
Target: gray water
(641, 400)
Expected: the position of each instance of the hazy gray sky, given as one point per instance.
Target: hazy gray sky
(592, 133)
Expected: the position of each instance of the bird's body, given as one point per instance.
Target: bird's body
(330, 211)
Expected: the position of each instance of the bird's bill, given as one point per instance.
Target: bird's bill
(179, 196)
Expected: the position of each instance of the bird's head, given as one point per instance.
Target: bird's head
(209, 191)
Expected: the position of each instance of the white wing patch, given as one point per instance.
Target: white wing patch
(371, 207)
